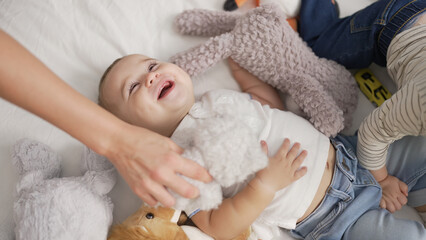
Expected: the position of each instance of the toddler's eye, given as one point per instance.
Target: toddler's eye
(152, 66)
(132, 87)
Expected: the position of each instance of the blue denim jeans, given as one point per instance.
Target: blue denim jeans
(360, 39)
(350, 208)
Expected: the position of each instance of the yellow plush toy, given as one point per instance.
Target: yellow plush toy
(156, 223)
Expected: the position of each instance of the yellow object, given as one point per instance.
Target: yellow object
(371, 87)
(156, 223)
(240, 2)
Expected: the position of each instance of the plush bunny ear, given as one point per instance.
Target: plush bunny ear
(92, 161)
(35, 162)
(198, 59)
(31, 155)
(207, 23)
(101, 183)
(101, 174)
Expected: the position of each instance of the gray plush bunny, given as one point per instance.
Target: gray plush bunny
(263, 42)
(51, 208)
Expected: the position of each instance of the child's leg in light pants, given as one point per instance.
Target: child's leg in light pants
(407, 161)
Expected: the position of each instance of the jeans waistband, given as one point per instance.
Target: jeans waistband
(397, 23)
(344, 172)
(348, 181)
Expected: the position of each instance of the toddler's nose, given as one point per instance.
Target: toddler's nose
(151, 79)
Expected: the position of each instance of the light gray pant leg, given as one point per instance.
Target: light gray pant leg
(380, 224)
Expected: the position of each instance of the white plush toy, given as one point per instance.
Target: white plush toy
(51, 208)
(220, 134)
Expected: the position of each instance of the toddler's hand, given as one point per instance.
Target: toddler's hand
(394, 194)
(284, 167)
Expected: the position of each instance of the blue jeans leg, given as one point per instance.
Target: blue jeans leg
(362, 38)
(406, 160)
(314, 17)
(350, 209)
(380, 224)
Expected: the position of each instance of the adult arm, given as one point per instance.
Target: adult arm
(147, 161)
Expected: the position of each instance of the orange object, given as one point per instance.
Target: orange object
(241, 2)
(291, 21)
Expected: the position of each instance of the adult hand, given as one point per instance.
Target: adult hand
(150, 163)
(394, 195)
(147, 161)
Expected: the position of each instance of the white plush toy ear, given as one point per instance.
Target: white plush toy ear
(101, 174)
(92, 161)
(35, 162)
(31, 155)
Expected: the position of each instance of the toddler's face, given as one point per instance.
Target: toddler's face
(148, 93)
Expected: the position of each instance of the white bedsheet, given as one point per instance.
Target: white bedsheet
(78, 39)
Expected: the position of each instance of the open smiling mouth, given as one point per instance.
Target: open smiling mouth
(166, 89)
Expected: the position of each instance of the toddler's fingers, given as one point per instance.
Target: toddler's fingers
(300, 173)
(404, 188)
(402, 200)
(390, 207)
(264, 146)
(382, 203)
(294, 151)
(283, 150)
(299, 159)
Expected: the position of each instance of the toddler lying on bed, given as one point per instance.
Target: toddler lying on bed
(335, 199)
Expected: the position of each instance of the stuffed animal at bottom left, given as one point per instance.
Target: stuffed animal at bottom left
(152, 223)
(160, 223)
(50, 208)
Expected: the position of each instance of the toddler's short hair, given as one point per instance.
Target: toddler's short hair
(100, 101)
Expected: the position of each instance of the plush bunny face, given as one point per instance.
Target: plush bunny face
(151, 223)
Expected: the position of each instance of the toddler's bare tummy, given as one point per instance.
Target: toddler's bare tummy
(324, 184)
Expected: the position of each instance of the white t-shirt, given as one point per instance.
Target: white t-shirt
(273, 125)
